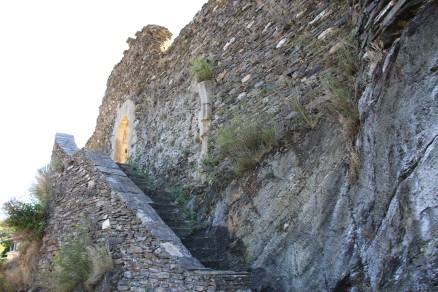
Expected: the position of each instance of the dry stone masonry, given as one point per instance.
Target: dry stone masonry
(347, 199)
(94, 192)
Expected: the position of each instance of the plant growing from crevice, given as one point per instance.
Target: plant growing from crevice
(185, 152)
(72, 267)
(44, 187)
(80, 264)
(203, 69)
(57, 165)
(340, 86)
(280, 12)
(246, 144)
(133, 164)
(178, 194)
(101, 262)
(210, 167)
(305, 117)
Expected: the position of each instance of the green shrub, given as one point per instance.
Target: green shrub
(6, 233)
(210, 161)
(72, 266)
(178, 194)
(203, 69)
(25, 217)
(79, 264)
(226, 140)
(57, 165)
(246, 145)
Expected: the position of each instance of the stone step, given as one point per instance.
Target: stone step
(203, 253)
(164, 208)
(169, 216)
(161, 200)
(127, 169)
(213, 264)
(199, 245)
(182, 231)
(178, 222)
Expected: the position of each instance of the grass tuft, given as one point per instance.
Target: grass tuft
(246, 145)
(203, 69)
(101, 263)
(306, 118)
(17, 274)
(72, 267)
(340, 86)
(80, 265)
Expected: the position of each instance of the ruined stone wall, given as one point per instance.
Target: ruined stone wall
(261, 59)
(94, 193)
(325, 210)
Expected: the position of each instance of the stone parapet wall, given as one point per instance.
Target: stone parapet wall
(93, 192)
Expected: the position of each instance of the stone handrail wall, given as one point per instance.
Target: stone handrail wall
(92, 190)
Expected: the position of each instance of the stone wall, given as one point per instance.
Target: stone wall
(93, 192)
(262, 61)
(325, 210)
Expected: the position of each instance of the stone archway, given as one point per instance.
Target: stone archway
(121, 147)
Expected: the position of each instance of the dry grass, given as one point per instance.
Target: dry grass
(17, 274)
(101, 262)
(373, 56)
(340, 87)
(354, 166)
(79, 265)
(306, 118)
(280, 12)
(245, 145)
(44, 186)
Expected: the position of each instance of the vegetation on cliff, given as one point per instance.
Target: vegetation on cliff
(26, 222)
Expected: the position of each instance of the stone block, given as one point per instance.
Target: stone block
(205, 90)
(205, 112)
(163, 275)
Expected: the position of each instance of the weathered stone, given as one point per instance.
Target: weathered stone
(325, 210)
(246, 78)
(132, 241)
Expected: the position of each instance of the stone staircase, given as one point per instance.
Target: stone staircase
(205, 248)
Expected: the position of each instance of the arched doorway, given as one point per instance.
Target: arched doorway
(121, 149)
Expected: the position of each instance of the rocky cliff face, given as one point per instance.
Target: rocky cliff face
(333, 206)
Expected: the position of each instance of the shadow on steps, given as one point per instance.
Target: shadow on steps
(211, 245)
